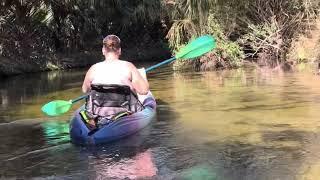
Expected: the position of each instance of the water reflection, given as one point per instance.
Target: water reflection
(239, 124)
(22, 96)
(129, 158)
(270, 116)
(139, 166)
(26, 150)
(117, 166)
(56, 132)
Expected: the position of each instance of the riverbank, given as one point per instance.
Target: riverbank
(304, 52)
(10, 67)
(38, 36)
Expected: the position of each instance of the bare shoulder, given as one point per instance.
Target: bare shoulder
(92, 68)
(127, 63)
(96, 64)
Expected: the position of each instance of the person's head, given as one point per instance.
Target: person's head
(111, 44)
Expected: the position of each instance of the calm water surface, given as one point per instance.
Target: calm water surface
(228, 125)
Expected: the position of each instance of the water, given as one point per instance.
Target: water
(227, 125)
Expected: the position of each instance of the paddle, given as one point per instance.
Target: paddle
(193, 49)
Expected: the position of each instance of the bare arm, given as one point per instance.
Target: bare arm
(86, 86)
(140, 84)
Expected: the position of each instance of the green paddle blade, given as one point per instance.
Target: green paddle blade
(197, 47)
(56, 108)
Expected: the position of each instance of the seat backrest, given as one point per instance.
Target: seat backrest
(111, 88)
(111, 96)
(108, 100)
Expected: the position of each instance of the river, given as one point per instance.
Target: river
(239, 124)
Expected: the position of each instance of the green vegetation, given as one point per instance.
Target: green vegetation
(275, 24)
(264, 30)
(35, 32)
(193, 18)
(45, 35)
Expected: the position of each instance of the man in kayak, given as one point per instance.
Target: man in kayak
(111, 71)
(114, 71)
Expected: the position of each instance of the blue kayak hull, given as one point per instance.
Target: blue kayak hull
(120, 128)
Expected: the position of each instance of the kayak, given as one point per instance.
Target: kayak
(120, 128)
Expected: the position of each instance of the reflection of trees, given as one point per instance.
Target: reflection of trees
(30, 90)
(4, 98)
(21, 88)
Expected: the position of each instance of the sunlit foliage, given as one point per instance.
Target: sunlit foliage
(36, 31)
(264, 29)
